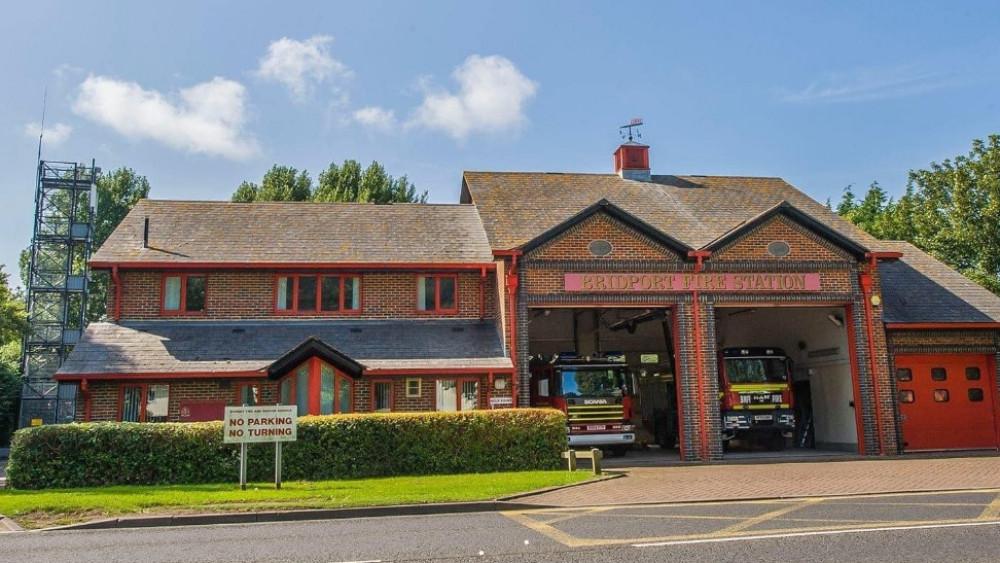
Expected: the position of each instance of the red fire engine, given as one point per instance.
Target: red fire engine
(755, 395)
(594, 395)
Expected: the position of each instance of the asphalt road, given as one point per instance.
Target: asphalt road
(926, 527)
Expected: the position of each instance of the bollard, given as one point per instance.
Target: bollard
(570, 456)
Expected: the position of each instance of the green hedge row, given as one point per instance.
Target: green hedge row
(328, 447)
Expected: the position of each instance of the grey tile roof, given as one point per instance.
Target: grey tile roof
(238, 346)
(516, 207)
(920, 289)
(223, 232)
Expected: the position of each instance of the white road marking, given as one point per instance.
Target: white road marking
(817, 533)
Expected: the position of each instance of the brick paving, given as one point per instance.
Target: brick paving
(776, 480)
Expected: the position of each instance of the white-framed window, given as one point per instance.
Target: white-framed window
(413, 387)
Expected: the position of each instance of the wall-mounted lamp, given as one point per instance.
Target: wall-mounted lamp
(836, 319)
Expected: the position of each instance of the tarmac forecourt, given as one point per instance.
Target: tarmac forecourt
(723, 521)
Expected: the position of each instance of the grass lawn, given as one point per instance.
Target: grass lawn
(53, 507)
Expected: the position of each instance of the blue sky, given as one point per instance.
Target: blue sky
(199, 96)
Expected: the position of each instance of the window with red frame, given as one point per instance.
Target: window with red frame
(184, 293)
(318, 294)
(144, 403)
(248, 394)
(437, 294)
(316, 388)
(457, 394)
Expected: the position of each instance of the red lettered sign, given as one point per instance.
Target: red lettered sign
(654, 282)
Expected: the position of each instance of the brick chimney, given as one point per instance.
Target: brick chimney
(632, 161)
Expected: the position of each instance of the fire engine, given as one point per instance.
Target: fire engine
(755, 395)
(593, 393)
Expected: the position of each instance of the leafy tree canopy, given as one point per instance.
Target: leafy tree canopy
(950, 210)
(347, 182)
(13, 325)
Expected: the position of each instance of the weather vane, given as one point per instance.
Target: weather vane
(634, 122)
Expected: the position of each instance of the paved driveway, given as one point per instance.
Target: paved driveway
(779, 480)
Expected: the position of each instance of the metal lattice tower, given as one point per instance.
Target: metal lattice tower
(65, 201)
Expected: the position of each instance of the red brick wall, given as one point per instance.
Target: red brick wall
(543, 283)
(627, 244)
(251, 295)
(104, 395)
(804, 245)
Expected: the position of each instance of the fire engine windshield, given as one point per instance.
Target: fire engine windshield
(756, 370)
(581, 382)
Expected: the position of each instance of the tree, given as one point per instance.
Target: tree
(347, 182)
(13, 326)
(950, 210)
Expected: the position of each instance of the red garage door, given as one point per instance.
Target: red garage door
(946, 402)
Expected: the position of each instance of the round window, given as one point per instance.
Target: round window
(599, 247)
(779, 248)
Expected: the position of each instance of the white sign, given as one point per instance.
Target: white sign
(501, 402)
(271, 423)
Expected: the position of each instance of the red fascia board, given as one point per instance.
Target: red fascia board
(438, 371)
(102, 265)
(514, 252)
(942, 326)
(159, 375)
(884, 255)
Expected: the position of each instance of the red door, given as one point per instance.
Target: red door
(946, 402)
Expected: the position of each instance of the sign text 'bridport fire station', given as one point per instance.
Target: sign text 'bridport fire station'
(647, 281)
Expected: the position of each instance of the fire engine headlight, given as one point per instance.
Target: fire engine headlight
(732, 418)
(628, 427)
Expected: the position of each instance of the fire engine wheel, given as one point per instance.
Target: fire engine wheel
(667, 441)
(775, 442)
(619, 451)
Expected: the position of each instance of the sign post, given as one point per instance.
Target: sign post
(270, 423)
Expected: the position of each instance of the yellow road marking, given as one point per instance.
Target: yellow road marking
(588, 512)
(545, 527)
(992, 510)
(768, 516)
(931, 504)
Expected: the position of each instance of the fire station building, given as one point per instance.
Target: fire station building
(347, 308)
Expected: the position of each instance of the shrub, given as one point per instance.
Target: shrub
(328, 447)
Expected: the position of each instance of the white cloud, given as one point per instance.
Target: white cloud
(868, 84)
(301, 65)
(491, 98)
(207, 118)
(376, 117)
(55, 135)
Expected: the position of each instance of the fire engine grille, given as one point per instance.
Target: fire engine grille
(593, 413)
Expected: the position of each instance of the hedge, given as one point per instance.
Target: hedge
(328, 447)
